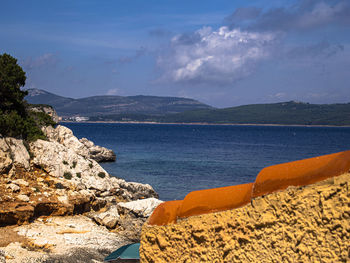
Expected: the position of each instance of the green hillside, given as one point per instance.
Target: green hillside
(182, 110)
(113, 105)
(287, 113)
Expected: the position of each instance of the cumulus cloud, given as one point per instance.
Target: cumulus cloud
(252, 36)
(48, 59)
(221, 57)
(305, 15)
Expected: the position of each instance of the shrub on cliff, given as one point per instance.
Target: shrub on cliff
(16, 120)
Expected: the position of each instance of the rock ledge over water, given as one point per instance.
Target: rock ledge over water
(57, 202)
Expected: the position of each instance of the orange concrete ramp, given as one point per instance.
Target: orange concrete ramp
(165, 213)
(216, 199)
(299, 173)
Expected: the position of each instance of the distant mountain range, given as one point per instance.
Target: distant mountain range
(183, 110)
(285, 113)
(114, 105)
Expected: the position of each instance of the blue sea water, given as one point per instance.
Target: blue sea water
(177, 159)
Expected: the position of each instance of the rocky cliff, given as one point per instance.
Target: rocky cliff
(45, 109)
(57, 202)
(299, 224)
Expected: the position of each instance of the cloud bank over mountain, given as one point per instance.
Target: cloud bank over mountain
(250, 38)
(222, 56)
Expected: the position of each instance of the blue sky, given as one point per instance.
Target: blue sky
(224, 53)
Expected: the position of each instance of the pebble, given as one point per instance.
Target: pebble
(23, 198)
(20, 182)
(14, 187)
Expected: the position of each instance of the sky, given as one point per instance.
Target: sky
(223, 53)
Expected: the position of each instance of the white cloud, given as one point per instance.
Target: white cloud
(222, 57)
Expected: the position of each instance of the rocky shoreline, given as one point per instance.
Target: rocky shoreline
(57, 204)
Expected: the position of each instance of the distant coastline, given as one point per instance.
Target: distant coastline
(175, 110)
(207, 123)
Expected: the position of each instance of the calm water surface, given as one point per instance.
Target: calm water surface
(177, 159)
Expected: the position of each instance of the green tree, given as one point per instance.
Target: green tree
(16, 120)
(12, 78)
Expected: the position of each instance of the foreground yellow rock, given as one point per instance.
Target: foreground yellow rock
(299, 224)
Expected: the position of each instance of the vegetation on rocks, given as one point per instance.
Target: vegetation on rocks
(101, 174)
(16, 120)
(67, 175)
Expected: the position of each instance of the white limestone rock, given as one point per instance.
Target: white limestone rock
(5, 156)
(135, 190)
(14, 188)
(141, 208)
(23, 198)
(71, 239)
(64, 136)
(84, 147)
(98, 153)
(108, 218)
(20, 182)
(2, 256)
(63, 162)
(19, 153)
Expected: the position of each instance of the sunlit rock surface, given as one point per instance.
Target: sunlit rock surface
(59, 205)
(98, 153)
(59, 239)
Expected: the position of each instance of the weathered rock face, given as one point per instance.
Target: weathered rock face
(62, 162)
(141, 208)
(126, 218)
(39, 194)
(83, 147)
(13, 153)
(46, 109)
(134, 191)
(299, 224)
(60, 179)
(108, 218)
(19, 153)
(65, 136)
(5, 156)
(98, 153)
(2, 256)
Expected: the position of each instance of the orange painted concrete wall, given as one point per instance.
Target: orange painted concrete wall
(216, 199)
(270, 179)
(298, 173)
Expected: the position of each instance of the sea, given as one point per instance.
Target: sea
(177, 159)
